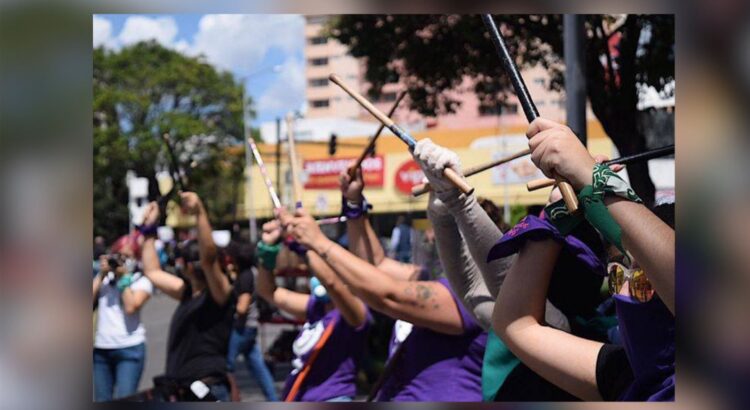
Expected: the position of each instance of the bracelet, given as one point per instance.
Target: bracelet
(295, 246)
(266, 254)
(324, 254)
(148, 230)
(591, 199)
(354, 210)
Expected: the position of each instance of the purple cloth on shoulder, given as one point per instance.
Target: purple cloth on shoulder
(434, 366)
(334, 372)
(537, 229)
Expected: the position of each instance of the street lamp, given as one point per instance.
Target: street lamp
(253, 226)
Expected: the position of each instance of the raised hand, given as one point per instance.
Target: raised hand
(433, 159)
(191, 203)
(151, 214)
(352, 188)
(305, 229)
(556, 150)
(271, 233)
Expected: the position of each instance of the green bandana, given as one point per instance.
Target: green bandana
(266, 254)
(591, 199)
(125, 281)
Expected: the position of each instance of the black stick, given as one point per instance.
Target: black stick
(511, 69)
(643, 156)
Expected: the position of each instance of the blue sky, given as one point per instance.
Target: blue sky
(248, 45)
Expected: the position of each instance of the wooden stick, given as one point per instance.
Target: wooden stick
(419, 190)
(629, 159)
(448, 173)
(571, 201)
(264, 172)
(353, 169)
(293, 165)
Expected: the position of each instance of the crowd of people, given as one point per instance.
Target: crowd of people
(560, 307)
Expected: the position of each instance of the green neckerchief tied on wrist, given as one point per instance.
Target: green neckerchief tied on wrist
(591, 199)
(266, 254)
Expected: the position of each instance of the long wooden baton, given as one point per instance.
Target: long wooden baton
(449, 173)
(422, 189)
(568, 194)
(176, 174)
(293, 166)
(264, 172)
(642, 156)
(371, 144)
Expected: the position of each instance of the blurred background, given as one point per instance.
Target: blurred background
(52, 77)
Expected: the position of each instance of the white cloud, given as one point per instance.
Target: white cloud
(287, 92)
(240, 42)
(102, 32)
(139, 28)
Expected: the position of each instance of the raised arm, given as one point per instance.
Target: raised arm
(171, 285)
(556, 150)
(563, 359)
(352, 309)
(458, 265)
(218, 283)
(425, 304)
(103, 270)
(294, 303)
(363, 241)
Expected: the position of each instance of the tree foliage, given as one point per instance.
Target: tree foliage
(140, 93)
(433, 55)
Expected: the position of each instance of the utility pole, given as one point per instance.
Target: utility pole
(252, 222)
(278, 155)
(575, 78)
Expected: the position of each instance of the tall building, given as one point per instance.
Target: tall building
(324, 99)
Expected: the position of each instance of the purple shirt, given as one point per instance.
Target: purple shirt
(435, 366)
(334, 371)
(648, 335)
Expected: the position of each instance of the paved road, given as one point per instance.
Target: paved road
(156, 316)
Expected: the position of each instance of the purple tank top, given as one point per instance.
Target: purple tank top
(648, 334)
(434, 366)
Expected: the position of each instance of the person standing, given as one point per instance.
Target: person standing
(242, 341)
(201, 324)
(401, 240)
(119, 343)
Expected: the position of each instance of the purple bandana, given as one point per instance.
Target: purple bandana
(536, 229)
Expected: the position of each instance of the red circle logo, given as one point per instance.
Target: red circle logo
(408, 175)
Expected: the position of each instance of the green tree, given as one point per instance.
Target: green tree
(432, 55)
(140, 93)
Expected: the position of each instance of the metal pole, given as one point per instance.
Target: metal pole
(278, 155)
(252, 222)
(575, 80)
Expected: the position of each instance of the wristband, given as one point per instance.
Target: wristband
(354, 210)
(295, 246)
(266, 254)
(591, 199)
(124, 282)
(148, 230)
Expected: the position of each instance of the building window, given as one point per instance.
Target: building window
(319, 103)
(498, 109)
(318, 82)
(387, 97)
(317, 40)
(319, 61)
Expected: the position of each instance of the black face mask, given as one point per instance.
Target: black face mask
(198, 271)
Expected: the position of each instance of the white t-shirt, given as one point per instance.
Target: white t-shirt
(114, 328)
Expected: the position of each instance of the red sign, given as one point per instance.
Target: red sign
(324, 173)
(408, 175)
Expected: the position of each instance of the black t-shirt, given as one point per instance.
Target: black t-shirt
(245, 283)
(199, 336)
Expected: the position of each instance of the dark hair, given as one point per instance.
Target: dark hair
(665, 212)
(242, 253)
(189, 251)
(491, 209)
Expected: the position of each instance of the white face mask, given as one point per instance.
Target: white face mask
(130, 265)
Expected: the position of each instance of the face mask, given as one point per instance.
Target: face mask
(318, 290)
(130, 265)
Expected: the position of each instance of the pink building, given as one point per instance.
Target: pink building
(324, 99)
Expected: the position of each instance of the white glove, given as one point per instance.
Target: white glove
(433, 159)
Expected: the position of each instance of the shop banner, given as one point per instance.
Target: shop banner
(324, 173)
